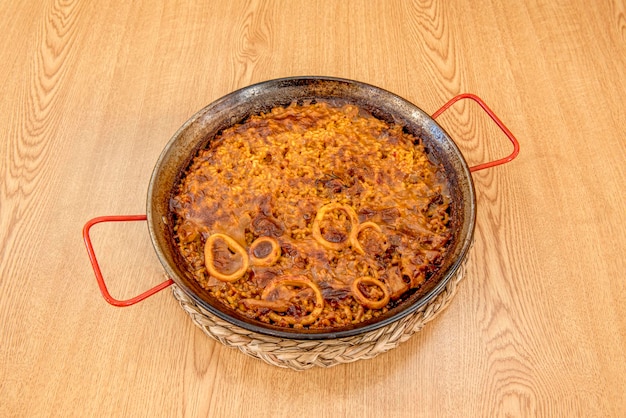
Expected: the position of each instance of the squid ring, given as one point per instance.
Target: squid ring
(296, 281)
(369, 224)
(209, 258)
(354, 222)
(278, 305)
(366, 301)
(264, 251)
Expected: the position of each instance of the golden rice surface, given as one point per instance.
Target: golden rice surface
(271, 175)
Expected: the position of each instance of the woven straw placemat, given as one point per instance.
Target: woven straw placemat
(304, 354)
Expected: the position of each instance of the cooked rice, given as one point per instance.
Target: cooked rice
(272, 174)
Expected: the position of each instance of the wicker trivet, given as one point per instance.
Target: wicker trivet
(304, 354)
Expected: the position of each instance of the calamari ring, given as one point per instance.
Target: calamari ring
(234, 246)
(278, 305)
(265, 259)
(354, 222)
(364, 300)
(297, 281)
(369, 224)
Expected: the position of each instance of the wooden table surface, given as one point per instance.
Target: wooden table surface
(92, 91)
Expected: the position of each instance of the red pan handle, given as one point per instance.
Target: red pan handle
(497, 121)
(96, 267)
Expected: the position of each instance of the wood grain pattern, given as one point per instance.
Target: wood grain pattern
(92, 92)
